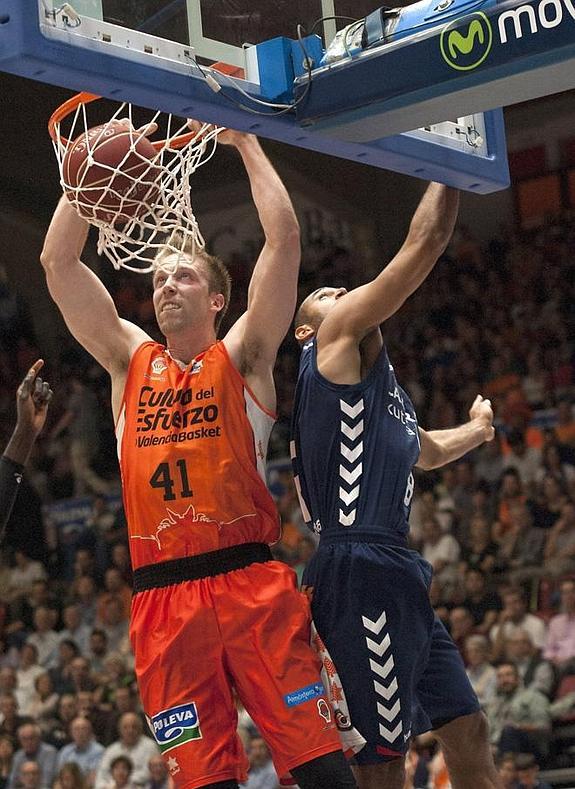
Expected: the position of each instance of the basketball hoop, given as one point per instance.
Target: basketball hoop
(143, 216)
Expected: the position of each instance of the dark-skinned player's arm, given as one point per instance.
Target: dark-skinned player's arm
(32, 400)
(365, 308)
(439, 447)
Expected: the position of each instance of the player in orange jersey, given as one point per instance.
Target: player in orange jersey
(212, 611)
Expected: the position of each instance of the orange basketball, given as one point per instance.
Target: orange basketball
(109, 173)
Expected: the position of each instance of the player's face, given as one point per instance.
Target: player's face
(319, 303)
(180, 296)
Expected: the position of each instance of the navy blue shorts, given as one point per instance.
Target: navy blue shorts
(401, 672)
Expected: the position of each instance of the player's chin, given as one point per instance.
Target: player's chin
(168, 321)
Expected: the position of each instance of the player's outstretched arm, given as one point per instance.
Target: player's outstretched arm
(84, 302)
(439, 447)
(32, 400)
(368, 306)
(272, 292)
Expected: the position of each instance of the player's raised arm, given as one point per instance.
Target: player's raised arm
(366, 307)
(84, 302)
(273, 288)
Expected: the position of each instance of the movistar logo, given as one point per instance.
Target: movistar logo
(465, 43)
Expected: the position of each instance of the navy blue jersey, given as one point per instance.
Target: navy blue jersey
(353, 449)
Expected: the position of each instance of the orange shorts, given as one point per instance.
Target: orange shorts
(247, 629)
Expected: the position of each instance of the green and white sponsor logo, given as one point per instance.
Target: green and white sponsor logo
(465, 43)
(175, 726)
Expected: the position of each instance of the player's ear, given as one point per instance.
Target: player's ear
(218, 301)
(304, 332)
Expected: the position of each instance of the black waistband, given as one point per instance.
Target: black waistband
(192, 568)
(377, 536)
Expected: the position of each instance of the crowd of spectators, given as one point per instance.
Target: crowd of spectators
(498, 526)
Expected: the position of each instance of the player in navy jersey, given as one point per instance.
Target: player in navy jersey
(355, 442)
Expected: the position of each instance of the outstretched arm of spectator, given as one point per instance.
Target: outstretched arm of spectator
(32, 400)
(439, 447)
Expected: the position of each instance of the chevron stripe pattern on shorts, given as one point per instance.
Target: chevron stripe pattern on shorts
(385, 684)
(351, 466)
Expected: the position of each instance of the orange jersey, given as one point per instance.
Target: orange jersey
(192, 445)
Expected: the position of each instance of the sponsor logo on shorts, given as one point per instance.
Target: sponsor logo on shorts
(175, 726)
(304, 694)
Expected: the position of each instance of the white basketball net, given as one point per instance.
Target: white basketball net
(134, 244)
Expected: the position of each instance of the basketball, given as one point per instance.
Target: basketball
(109, 173)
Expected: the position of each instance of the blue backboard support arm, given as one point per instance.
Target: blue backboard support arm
(181, 89)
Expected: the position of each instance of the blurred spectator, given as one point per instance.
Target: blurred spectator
(159, 776)
(116, 675)
(262, 774)
(6, 758)
(98, 650)
(511, 493)
(559, 552)
(26, 673)
(481, 673)
(131, 744)
(81, 675)
(33, 749)
(74, 629)
(121, 772)
(482, 604)
(114, 624)
(528, 772)
(442, 552)
(565, 427)
(555, 467)
(85, 596)
(30, 776)
(507, 771)
(489, 462)
(438, 773)
(514, 617)
(44, 637)
(479, 551)
(83, 750)
(70, 776)
(553, 495)
(24, 607)
(44, 703)
(24, 572)
(61, 673)
(80, 420)
(519, 718)
(534, 671)
(559, 645)
(115, 588)
(461, 626)
(10, 719)
(104, 721)
(525, 460)
(59, 733)
(8, 680)
(521, 549)
(121, 561)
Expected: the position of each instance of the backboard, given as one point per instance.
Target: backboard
(162, 54)
(219, 29)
